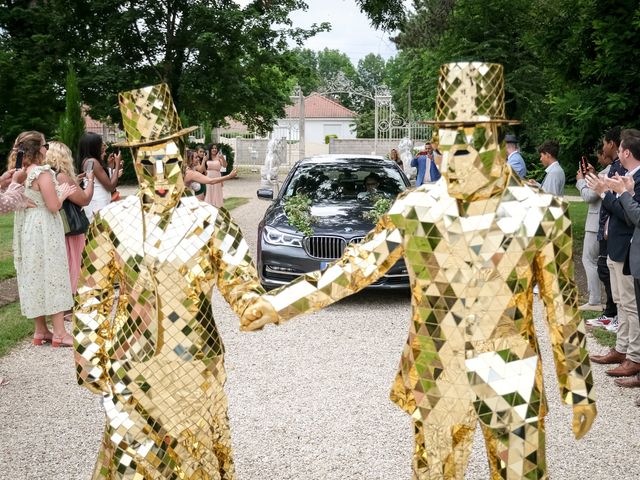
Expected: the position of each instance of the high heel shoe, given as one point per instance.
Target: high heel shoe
(64, 341)
(40, 339)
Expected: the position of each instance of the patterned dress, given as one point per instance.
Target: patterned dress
(38, 241)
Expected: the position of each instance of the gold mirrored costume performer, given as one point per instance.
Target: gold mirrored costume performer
(152, 349)
(475, 244)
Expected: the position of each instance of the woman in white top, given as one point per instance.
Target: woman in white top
(91, 147)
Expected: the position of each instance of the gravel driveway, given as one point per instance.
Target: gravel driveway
(308, 400)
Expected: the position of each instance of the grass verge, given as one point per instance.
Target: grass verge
(234, 202)
(6, 247)
(604, 337)
(13, 327)
(578, 215)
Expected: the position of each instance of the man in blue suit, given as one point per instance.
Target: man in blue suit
(426, 165)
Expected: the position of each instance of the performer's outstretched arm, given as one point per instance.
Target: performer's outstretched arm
(554, 273)
(94, 304)
(360, 265)
(237, 275)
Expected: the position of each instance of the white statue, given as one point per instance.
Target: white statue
(269, 171)
(405, 150)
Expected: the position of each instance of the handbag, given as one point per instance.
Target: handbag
(74, 219)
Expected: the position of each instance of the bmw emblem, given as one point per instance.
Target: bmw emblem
(348, 229)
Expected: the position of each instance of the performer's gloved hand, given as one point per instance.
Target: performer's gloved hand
(259, 313)
(583, 417)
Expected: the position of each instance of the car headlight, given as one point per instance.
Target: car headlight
(276, 237)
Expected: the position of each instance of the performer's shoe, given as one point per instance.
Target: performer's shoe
(40, 339)
(625, 369)
(65, 341)
(630, 382)
(612, 356)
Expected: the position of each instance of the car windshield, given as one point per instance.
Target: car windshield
(343, 182)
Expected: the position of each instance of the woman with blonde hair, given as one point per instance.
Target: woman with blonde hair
(38, 239)
(60, 158)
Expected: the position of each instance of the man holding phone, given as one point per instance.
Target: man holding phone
(590, 245)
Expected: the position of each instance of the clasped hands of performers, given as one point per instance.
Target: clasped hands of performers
(258, 314)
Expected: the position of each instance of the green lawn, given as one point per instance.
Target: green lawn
(571, 190)
(6, 250)
(604, 337)
(13, 327)
(234, 202)
(578, 215)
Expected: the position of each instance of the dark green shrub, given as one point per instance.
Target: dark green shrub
(229, 154)
(327, 138)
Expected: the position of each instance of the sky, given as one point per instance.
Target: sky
(351, 32)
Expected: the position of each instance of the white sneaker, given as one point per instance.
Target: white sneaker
(590, 307)
(601, 321)
(536, 290)
(613, 326)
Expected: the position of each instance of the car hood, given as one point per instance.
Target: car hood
(336, 218)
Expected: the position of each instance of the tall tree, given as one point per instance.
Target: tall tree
(71, 126)
(219, 59)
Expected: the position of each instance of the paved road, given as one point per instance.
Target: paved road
(308, 400)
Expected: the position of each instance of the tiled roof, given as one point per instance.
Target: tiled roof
(317, 106)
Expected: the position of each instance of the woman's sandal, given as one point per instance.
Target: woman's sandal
(64, 341)
(40, 339)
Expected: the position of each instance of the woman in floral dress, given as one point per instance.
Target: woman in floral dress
(38, 241)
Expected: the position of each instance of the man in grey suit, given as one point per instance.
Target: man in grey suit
(554, 178)
(590, 245)
(628, 190)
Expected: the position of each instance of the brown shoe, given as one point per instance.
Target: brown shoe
(625, 369)
(630, 382)
(613, 356)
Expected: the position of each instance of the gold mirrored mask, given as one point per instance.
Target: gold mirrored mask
(472, 160)
(159, 171)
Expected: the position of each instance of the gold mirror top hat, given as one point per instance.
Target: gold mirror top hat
(470, 93)
(149, 116)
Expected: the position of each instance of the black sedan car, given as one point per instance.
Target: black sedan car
(341, 190)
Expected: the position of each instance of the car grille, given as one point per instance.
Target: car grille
(326, 247)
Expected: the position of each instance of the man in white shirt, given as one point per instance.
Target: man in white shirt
(554, 178)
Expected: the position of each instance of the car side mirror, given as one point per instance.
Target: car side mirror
(265, 193)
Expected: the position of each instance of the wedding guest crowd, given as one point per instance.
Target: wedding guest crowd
(55, 197)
